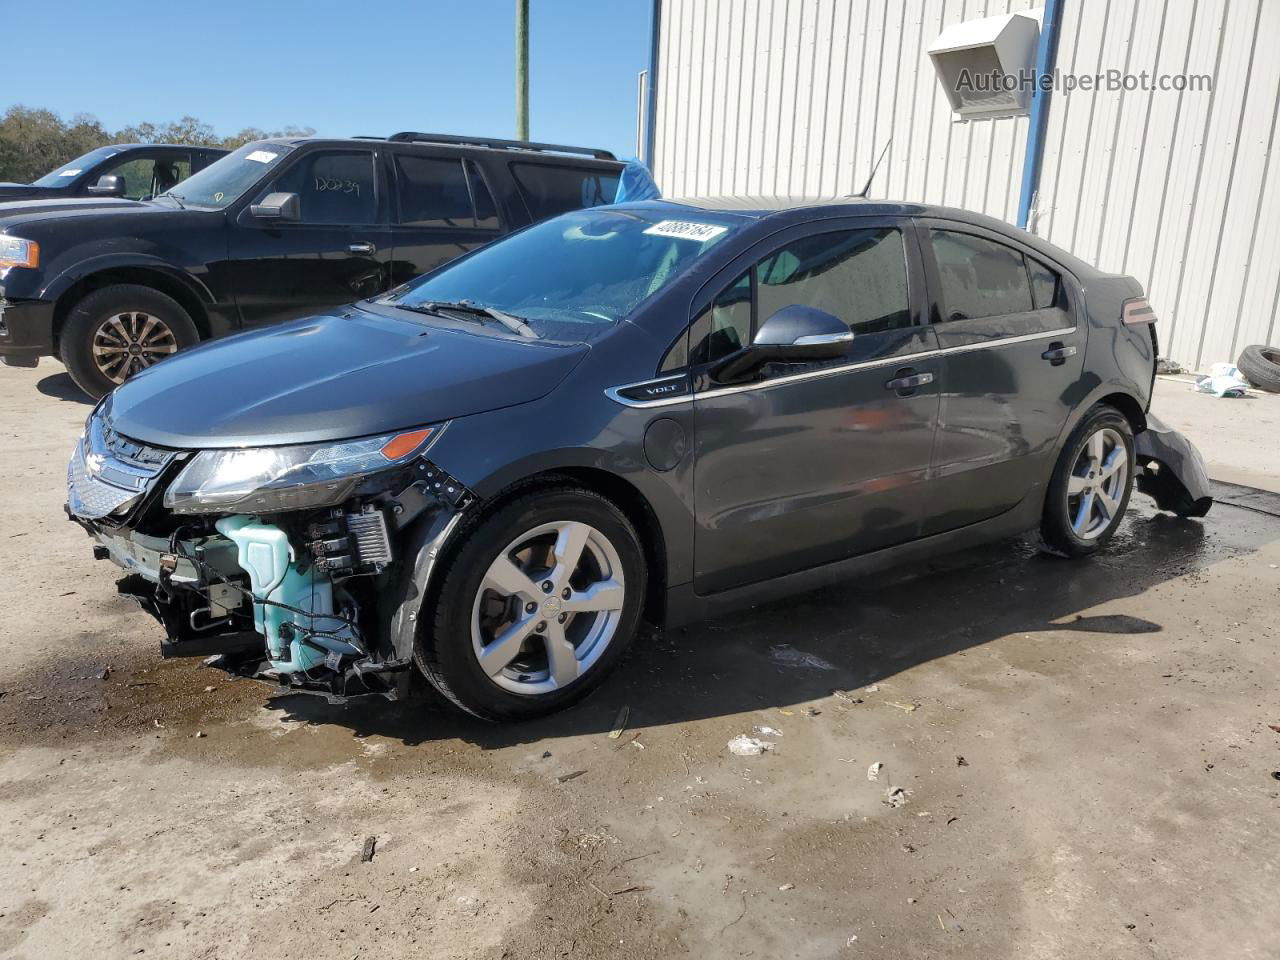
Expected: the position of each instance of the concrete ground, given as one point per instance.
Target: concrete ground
(1083, 749)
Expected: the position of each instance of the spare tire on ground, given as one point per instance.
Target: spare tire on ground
(1261, 367)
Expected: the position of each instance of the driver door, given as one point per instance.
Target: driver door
(809, 464)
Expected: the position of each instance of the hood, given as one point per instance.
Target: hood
(19, 211)
(25, 191)
(331, 378)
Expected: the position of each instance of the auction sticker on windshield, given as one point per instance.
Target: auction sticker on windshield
(686, 230)
(262, 156)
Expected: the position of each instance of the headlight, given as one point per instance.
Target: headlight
(18, 253)
(275, 479)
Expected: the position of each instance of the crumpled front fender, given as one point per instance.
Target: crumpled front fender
(1172, 470)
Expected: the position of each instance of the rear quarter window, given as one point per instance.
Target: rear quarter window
(551, 190)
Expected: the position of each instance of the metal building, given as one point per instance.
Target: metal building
(1174, 186)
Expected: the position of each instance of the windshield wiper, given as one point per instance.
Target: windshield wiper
(176, 199)
(512, 323)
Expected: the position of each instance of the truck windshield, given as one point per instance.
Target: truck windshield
(225, 180)
(587, 267)
(66, 174)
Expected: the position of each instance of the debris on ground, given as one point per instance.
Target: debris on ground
(789, 656)
(766, 731)
(873, 688)
(896, 796)
(845, 696)
(620, 723)
(744, 746)
(786, 886)
(904, 707)
(1224, 380)
(566, 777)
(368, 850)
(200, 734)
(1274, 726)
(104, 672)
(873, 771)
(961, 761)
(1168, 368)
(546, 754)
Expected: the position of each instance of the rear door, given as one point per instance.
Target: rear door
(1011, 355)
(814, 463)
(336, 253)
(442, 207)
(550, 189)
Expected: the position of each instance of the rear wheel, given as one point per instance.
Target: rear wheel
(539, 604)
(119, 330)
(1091, 485)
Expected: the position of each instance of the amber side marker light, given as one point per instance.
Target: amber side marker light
(404, 444)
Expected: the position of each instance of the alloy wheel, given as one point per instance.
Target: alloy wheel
(128, 342)
(1097, 484)
(547, 608)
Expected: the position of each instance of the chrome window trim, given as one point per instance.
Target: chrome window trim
(613, 393)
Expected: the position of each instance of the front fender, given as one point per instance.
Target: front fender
(76, 271)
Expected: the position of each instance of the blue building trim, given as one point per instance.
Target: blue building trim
(651, 85)
(1046, 63)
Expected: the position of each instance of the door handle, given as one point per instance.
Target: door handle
(362, 247)
(1057, 354)
(909, 382)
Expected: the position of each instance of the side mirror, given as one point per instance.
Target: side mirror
(108, 186)
(277, 206)
(795, 334)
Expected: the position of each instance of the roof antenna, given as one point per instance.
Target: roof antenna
(862, 194)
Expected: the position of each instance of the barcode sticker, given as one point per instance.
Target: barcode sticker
(686, 230)
(262, 156)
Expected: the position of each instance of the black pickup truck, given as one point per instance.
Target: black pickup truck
(277, 229)
(130, 170)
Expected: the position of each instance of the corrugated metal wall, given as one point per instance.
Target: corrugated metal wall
(1177, 189)
(778, 97)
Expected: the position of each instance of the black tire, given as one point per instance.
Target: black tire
(91, 314)
(444, 650)
(1261, 367)
(1057, 534)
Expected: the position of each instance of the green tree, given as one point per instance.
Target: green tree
(33, 142)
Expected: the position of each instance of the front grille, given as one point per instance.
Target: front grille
(108, 472)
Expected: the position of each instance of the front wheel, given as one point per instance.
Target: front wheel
(1091, 485)
(119, 330)
(540, 602)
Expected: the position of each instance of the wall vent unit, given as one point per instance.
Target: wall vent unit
(986, 66)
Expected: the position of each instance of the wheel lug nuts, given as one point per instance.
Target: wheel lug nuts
(530, 607)
(566, 593)
(547, 586)
(541, 627)
(562, 618)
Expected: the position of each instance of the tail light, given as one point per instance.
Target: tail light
(1137, 311)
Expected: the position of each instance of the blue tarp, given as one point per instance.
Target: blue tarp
(636, 183)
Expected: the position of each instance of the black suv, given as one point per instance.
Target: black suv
(278, 229)
(131, 170)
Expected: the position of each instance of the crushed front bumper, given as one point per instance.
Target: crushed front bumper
(1172, 471)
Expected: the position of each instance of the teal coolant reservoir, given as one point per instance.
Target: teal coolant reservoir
(266, 555)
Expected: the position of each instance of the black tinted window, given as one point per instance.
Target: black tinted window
(725, 326)
(979, 278)
(433, 192)
(486, 209)
(859, 276)
(332, 187)
(549, 190)
(1045, 285)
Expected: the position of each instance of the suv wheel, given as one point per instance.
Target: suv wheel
(1091, 485)
(114, 332)
(538, 605)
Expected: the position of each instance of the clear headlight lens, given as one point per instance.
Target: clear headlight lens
(275, 479)
(15, 252)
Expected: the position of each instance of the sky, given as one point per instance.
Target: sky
(344, 68)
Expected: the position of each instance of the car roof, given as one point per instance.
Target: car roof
(792, 209)
(173, 147)
(524, 149)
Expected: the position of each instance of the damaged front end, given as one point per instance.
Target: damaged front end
(298, 565)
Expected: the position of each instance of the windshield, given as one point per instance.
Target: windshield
(586, 267)
(66, 174)
(225, 180)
